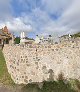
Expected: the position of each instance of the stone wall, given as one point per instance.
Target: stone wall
(36, 63)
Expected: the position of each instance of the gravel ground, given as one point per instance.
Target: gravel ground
(9, 88)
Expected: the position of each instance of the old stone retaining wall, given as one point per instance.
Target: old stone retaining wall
(35, 63)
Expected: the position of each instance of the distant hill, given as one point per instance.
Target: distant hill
(29, 38)
(76, 35)
(73, 35)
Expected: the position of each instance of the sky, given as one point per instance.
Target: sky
(40, 17)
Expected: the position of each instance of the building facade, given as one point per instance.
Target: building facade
(5, 36)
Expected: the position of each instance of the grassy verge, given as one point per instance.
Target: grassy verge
(54, 86)
(4, 75)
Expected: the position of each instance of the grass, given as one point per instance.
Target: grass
(60, 85)
(5, 78)
(50, 86)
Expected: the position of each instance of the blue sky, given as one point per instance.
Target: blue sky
(42, 17)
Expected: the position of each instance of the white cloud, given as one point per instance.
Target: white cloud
(16, 25)
(71, 17)
(56, 6)
(5, 9)
(68, 22)
(40, 21)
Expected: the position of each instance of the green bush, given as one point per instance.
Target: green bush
(17, 40)
(49, 86)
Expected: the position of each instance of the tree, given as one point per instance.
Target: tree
(17, 40)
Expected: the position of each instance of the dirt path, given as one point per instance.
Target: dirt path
(9, 88)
